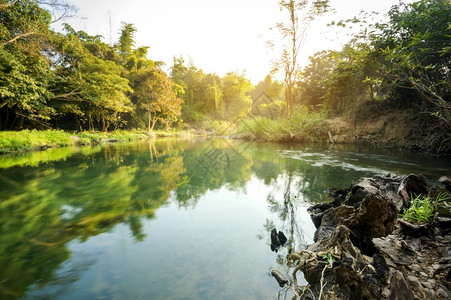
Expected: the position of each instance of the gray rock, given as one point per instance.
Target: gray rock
(427, 285)
(413, 281)
(442, 293)
(399, 288)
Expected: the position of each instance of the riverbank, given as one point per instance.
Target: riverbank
(29, 140)
(371, 125)
(364, 250)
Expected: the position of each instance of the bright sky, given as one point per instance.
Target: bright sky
(219, 36)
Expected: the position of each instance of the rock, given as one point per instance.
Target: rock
(281, 279)
(399, 288)
(412, 185)
(446, 182)
(414, 230)
(277, 240)
(442, 293)
(393, 249)
(413, 281)
(331, 219)
(427, 285)
(282, 238)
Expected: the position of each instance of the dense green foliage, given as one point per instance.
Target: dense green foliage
(403, 62)
(72, 80)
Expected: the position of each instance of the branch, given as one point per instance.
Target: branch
(5, 6)
(22, 35)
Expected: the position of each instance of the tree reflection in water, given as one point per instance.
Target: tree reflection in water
(69, 195)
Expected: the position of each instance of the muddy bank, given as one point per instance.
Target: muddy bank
(401, 129)
(364, 250)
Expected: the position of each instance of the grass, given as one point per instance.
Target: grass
(304, 125)
(422, 208)
(26, 140)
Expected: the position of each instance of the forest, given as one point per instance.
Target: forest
(73, 81)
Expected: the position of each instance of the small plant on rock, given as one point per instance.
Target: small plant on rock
(422, 208)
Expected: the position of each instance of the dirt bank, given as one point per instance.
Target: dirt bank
(402, 129)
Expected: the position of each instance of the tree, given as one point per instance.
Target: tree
(414, 53)
(268, 98)
(237, 101)
(24, 70)
(126, 40)
(154, 95)
(348, 82)
(314, 80)
(87, 86)
(301, 14)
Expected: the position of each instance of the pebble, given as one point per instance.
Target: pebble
(415, 268)
(413, 281)
(421, 260)
(439, 239)
(432, 281)
(427, 285)
(423, 274)
(443, 294)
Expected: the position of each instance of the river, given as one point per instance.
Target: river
(170, 219)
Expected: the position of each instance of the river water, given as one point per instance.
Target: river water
(170, 219)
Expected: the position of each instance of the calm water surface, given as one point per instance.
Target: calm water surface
(169, 219)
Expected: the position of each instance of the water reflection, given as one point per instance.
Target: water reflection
(71, 218)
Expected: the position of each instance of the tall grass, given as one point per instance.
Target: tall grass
(304, 125)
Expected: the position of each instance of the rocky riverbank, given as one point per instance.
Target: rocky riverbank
(364, 250)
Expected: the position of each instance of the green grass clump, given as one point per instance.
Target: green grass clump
(304, 125)
(422, 208)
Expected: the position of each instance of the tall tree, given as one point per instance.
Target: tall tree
(300, 16)
(126, 40)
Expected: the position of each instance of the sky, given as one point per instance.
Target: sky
(218, 36)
